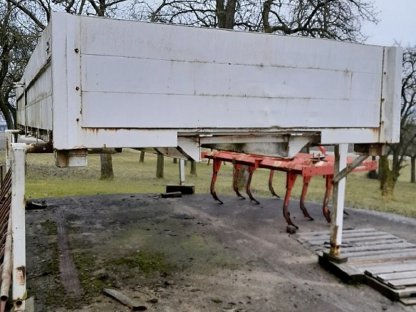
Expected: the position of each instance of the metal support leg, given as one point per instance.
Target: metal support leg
(305, 186)
(216, 166)
(337, 214)
(236, 173)
(181, 171)
(271, 189)
(18, 152)
(290, 182)
(328, 191)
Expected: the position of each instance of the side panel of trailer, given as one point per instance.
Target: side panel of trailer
(131, 84)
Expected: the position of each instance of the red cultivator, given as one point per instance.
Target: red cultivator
(305, 165)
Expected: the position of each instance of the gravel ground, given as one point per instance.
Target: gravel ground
(189, 254)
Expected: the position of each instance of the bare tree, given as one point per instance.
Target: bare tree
(36, 14)
(390, 172)
(411, 152)
(337, 19)
(17, 40)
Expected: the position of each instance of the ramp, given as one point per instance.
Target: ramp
(382, 260)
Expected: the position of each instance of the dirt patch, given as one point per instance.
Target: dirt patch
(189, 254)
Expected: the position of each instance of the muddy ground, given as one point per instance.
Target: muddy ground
(189, 254)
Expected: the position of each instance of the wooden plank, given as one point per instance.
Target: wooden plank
(378, 247)
(310, 235)
(127, 301)
(313, 233)
(383, 288)
(345, 232)
(391, 268)
(356, 236)
(355, 240)
(377, 261)
(366, 256)
(407, 292)
(345, 272)
(408, 301)
(361, 242)
(397, 275)
(401, 283)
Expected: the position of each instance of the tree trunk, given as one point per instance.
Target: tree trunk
(226, 13)
(175, 160)
(412, 169)
(193, 168)
(387, 180)
(160, 166)
(141, 159)
(107, 172)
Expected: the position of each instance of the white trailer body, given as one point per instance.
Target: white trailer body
(95, 82)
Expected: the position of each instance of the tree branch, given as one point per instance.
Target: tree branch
(28, 13)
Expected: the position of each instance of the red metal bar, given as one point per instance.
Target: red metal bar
(303, 164)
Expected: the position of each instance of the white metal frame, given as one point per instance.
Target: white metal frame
(18, 160)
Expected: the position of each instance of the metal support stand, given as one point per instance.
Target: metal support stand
(18, 157)
(181, 188)
(337, 215)
(181, 171)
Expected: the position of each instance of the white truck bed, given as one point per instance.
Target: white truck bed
(95, 82)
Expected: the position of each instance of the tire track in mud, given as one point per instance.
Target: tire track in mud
(67, 269)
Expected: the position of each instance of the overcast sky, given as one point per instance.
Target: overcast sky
(397, 23)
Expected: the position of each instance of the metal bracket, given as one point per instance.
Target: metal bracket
(350, 167)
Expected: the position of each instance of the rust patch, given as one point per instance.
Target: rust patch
(21, 275)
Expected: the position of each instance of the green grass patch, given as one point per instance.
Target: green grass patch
(131, 176)
(146, 261)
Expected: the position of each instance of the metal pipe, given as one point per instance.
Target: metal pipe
(18, 225)
(6, 275)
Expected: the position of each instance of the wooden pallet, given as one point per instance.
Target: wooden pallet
(380, 259)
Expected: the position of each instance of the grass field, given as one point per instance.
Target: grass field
(46, 180)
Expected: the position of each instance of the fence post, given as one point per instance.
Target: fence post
(10, 138)
(18, 157)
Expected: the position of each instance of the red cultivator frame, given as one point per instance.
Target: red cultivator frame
(303, 164)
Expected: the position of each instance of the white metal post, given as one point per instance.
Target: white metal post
(337, 214)
(181, 171)
(9, 140)
(18, 157)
